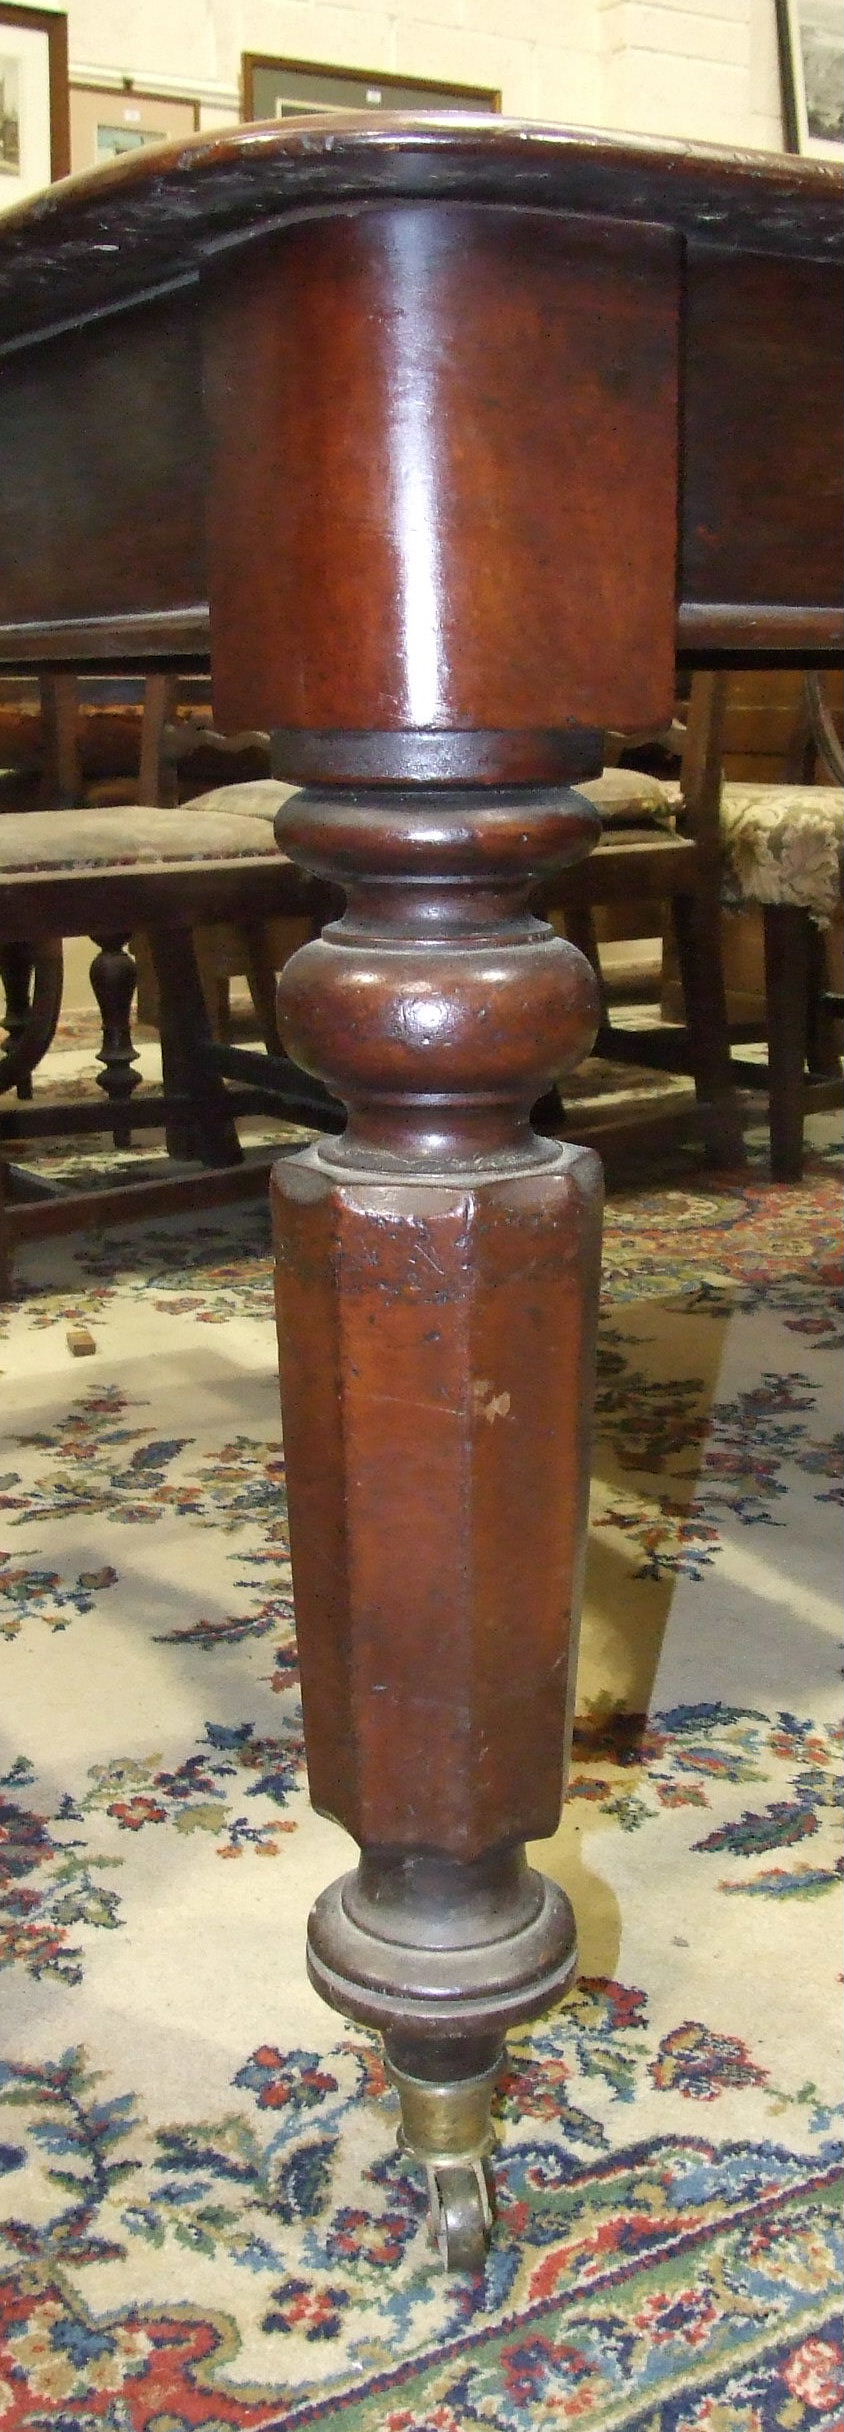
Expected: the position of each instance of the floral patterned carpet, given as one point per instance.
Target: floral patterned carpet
(204, 2219)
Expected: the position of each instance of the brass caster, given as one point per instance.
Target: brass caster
(460, 2214)
(443, 1955)
(446, 2127)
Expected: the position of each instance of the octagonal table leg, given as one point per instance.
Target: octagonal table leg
(437, 1284)
(442, 553)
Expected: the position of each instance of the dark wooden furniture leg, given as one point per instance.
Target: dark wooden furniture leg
(32, 979)
(437, 1285)
(113, 977)
(208, 1130)
(823, 1039)
(61, 771)
(696, 920)
(437, 1265)
(17, 971)
(787, 979)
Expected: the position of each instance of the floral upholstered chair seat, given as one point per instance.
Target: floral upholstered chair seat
(783, 845)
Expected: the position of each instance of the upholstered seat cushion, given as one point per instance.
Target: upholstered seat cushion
(782, 844)
(623, 795)
(131, 838)
(256, 798)
(626, 797)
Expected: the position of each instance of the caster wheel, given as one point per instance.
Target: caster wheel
(461, 2215)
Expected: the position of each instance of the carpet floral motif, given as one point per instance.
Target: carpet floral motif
(205, 2220)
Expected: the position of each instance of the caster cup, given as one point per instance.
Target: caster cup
(446, 2128)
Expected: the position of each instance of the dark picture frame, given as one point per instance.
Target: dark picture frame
(34, 110)
(811, 47)
(292, 88)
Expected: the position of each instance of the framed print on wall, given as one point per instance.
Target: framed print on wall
(811, 42)
(105, 122)
(34, 127)
(292, 88)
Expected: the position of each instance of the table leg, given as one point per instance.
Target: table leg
(437, 1287)
(442, 557)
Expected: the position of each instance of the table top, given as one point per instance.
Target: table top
(675, 366)
(145, 221)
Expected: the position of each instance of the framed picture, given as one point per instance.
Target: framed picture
(292, 88)
(105, 122)
(34, 127)
(811, 40)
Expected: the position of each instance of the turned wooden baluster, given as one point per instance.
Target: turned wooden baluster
(437, 1286)
(435, 587)
(113, 976)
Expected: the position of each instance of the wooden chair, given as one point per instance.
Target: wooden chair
(38, 765)
(103, 875)
(643, 853)
(781, 845)
(708, 847)
(105, 742)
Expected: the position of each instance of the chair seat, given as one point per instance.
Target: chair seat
(783, 845)
(625, 797)
(628, 797)
(251, 798)
(52, 842)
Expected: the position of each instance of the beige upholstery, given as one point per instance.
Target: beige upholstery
(622, 794)
(131, 838)
(628, 797)
(781, 844)
(255, 798)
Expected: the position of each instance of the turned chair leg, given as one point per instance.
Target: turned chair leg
(788, 951)
(697, 929)
(113, 977)
(17, 965)
(32, 979)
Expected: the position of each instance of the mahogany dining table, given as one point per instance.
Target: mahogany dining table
(444, 439)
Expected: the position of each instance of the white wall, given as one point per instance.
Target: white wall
(705, 69)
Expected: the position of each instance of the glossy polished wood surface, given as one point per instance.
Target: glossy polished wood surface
(763, 462)
(437, 1280)
(758, 236)
(476, 412)
(103, 489)
(101, 238)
